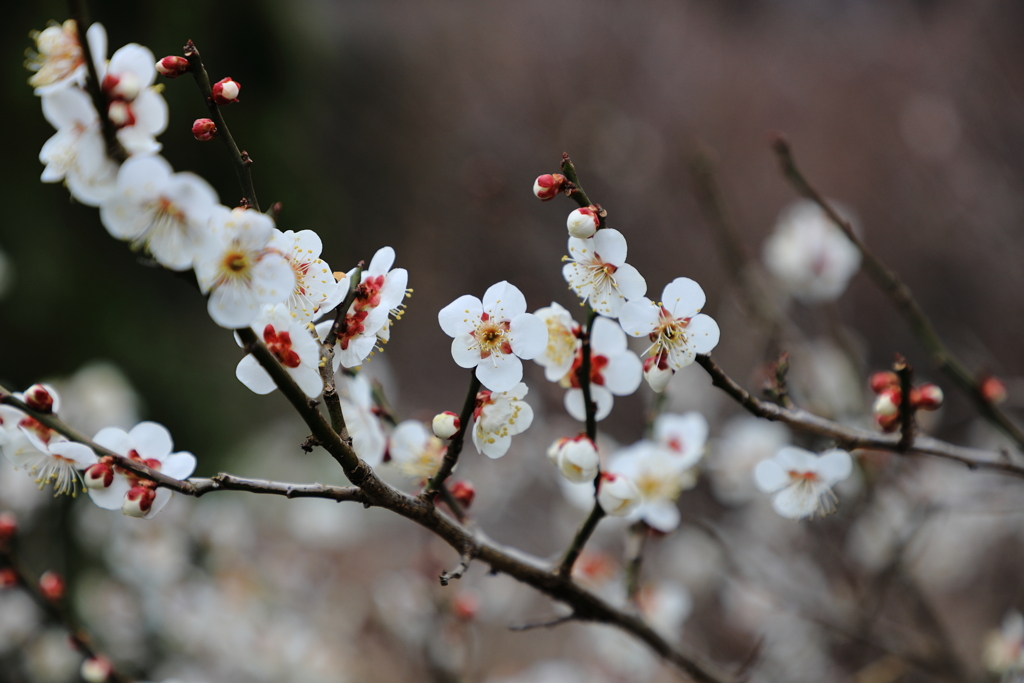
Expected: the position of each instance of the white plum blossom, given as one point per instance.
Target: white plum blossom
(239, 270)
(114, 488)
(292, 343)
(316, 289)
(378, 296)
(809, 254)
(683, 436)
(41, 452)
(677, 329)
(597, 271)
(576, 458)
(59, 61)
(563, 341)
(493, 334)
(136, 108)
(617, 495)
(500, 416)
(356, 397)
(414, 451)
(660, 477)
(77, 153)
(801, 482)
(163, 212)
(614, 371)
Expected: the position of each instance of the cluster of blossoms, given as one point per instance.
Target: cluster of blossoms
(52, 458)
(886, 408)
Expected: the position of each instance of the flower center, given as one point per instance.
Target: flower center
(280, 344)
(655, 485)
(803, 477)
(492, 336)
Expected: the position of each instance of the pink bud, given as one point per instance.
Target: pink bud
(172, 66)
(138, 501)
(39, 397)
(583, 223)
(926, 397)
(96, 669)
(888, 423)
(657, 372)
(880, 381)
(548, 185)
(98, 476)
(8, 526)
(51, 585)
(992, 390)
(204, 129)
(463, 492)
(466, 604)
(225, 91)
(446, 424)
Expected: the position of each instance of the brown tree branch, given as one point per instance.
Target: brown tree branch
(901, 296)
(852, 437)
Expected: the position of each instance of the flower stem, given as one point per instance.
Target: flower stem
(451, 454)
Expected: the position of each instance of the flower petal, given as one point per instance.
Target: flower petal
(500, 373)
(179, 465)
(610, 245)
(529, 335)
(661, 514)
(151, 440)
(834, 466)
(639, 317)
(683, 298)
(504, 301)
(250, 373)
(460, 316)
(770, 477)
(702, 333)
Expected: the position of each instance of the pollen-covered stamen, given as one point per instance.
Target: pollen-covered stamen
(492, 336)
(235, 267)
(669, 335)
(280, 344)
(599, 275)
(654, 485)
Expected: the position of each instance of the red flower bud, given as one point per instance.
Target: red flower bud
(172, 66)
(37, 397)
(548, 185)
(138, 501)
(880, 381)
(96, 669)
(463, 492)
(225, 91)
(51, 585)
(992, 390)
(204, 129)
(8, 578)
(926, 397)
(8, 526)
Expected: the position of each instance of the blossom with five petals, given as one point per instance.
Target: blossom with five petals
(292, 343)
(801, 482)
(415, 451)
(597, 271)
(316, 289)
(493, 334)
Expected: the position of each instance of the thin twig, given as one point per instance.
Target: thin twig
(547, 623)
(458, 572)
(906, 408)
(851, 437)
(330, 394)
(451, 454)
(898, 292)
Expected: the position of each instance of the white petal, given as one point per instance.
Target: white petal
(460, 316)
(151, 440)
(683, 298)
(112, 497)
(575, 406)
(770, 477)
(630, 282)
(791, 458)
(308, 379)
(500, 373)
(702, 333)
(797, 502)
(662, 515)
(504, 301)
(273, 279)
(610, 245)
(623, 374)
(114, 439)
(80, 454)
(529, 335)
(179, 465)
(466, 351)
(607, 338)
(639, 317)
(834, 466)
(250, 373)
(381, 262)
(163, 496)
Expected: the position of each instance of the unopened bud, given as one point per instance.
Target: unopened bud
(204, 129)
(51, 585)
(8, 578)
(96, 669)
(41, 397)
(926, 397)
(548, 185)
(880, 381)
(617, 494)
(125, 86)
(577, 458)
(446, 425)
(887, 403)
(172, 66)
(657, 373)
(992, 390)
(463, 492)
(583, 223)
(888, 423)
(8, 526)
(138, 501)
(98, 476)
(225, 91)
(466, 604)
(120, 114)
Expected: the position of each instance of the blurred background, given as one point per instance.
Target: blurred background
(423, 127)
